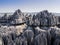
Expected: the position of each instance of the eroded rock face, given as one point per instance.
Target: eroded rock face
(56, 42)
(40, 40)
(1, 41)
(43, 18)
(40, 37)
(17, 14)
(38, 29)
(29, 35)
(20, 41)
(55, 35)
(17, 17)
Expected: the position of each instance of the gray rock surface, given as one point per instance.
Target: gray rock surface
(40, 40)
(39, 29)
(29, 35)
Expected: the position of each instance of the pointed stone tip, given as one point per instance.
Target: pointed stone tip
(18, 10)
(45, 10)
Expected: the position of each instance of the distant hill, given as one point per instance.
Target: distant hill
(56, 14)
(11, 13)
(1, 14)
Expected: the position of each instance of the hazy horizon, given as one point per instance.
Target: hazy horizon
(30, 5)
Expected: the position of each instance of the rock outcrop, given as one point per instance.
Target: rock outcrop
(30, 29)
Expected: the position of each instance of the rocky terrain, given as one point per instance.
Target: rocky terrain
(42, 28)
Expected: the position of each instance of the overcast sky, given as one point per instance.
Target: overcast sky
(30, 5)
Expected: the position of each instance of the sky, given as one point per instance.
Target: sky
(30, 5)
